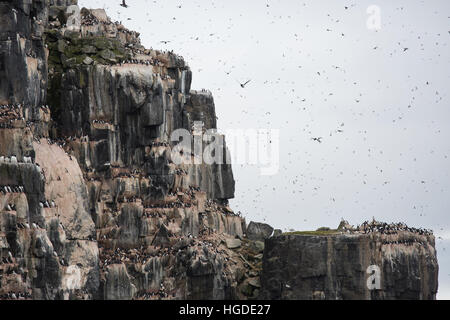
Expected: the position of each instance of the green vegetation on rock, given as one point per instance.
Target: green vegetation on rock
(69, 50)
(318, 232)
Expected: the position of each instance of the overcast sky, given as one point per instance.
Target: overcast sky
(315, 68)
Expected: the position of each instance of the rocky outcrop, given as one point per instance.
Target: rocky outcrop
(92, 205)
(259, 231)
(355, 265)
(23, 67)
(47, 236)
(95, 205)
(46, 229)
(126, 103)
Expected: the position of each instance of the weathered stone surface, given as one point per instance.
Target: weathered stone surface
(118, 285)
(23, 67)
(259, 231)
(51, 234)
(277, 232)
(233, 243)
(334, 267)
(92, 203)
(122, 105)
(65, 187)
(258, 246)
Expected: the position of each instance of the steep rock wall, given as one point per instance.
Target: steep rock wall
(89, 195)
(92, 204)
(335, 267)
(23, 67)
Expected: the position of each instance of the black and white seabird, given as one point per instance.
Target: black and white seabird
(244, 84)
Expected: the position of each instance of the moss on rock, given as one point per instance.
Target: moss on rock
(313, 233)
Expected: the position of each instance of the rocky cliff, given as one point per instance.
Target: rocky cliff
(92, 203)
(375, 261)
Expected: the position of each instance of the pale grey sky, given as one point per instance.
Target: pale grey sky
(314, 66)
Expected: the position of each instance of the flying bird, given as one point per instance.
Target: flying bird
(165, 42)
(319, 140)
(244, 84)
(123, 4)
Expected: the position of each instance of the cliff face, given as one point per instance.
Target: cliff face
(23, 67)
(47, 236)
(341, 266)
(93, 205)
(123, 100)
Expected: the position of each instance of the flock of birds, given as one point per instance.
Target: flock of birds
(135, 49)
(389, 228)
(95, 121)
(11, 189)
(137, 255)
(16, 189)
(118, 257)
(144, 254)
(153, 294)
(88, 19)
(15, 296)
(10, 207)
(160, 144)
(215, 206)
(189, 246)
(10, 114)
(150, 61)
(47, 204)
(403, 49)
(13, 159)
(169, 205)
(93, 20)
(8, 259)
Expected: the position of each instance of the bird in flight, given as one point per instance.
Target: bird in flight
(319, 140)
(123, 4)
(165, 41)
(244, 84)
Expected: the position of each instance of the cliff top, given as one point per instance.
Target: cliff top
(374, 227)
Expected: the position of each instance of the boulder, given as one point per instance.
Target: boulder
(233, 243)
(259, 231)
